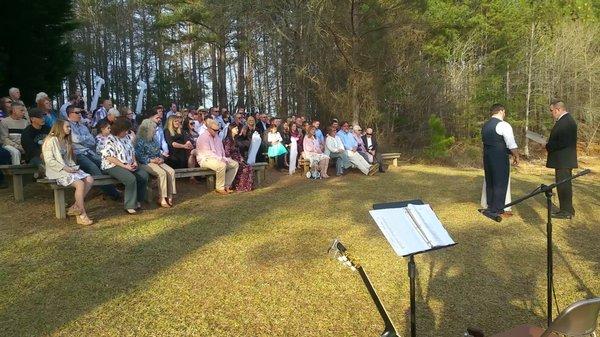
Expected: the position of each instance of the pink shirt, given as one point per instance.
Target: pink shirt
(312, 145)
(208, 146)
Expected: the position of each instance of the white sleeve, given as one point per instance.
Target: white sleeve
(505, 130)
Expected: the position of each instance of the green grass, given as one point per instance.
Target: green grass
(255, 264)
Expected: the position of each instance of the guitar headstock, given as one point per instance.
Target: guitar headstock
(340, 253)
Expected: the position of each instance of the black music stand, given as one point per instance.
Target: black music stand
(547, 190)
(412, 267)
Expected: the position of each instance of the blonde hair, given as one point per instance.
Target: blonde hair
(146, 130)
(250, 118)
(58, 131)
(171, 128)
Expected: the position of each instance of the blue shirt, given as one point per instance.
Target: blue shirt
(83, 141)
(159, 138)
(146, 150)
(348, 140)
(50, 119)
(320, 137)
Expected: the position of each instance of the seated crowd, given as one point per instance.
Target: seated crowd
(72, 146)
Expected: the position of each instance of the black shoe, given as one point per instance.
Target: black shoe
(562, 215)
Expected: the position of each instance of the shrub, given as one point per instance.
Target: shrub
(439, 143)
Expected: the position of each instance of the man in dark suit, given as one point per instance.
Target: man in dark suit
(373, 149)
(562, 156)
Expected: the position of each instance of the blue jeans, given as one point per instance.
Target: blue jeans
(5, 159)
(342, 161)
(90, 163)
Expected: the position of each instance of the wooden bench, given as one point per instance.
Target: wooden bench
(17, 172)
(393, 157)
(59, 191)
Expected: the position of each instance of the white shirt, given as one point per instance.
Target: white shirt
(559, 117)
(369, 143)
(333, 144)
(505, 130)
(202, 129)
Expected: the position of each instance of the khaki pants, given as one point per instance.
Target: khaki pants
(166, 178)
(225, 172)
(358, 161)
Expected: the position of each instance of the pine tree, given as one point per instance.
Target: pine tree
(34, 54)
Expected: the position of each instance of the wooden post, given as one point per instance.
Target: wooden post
(59, 203)
(210, 182)
(18, 187)
(258, 176)
(395, 162)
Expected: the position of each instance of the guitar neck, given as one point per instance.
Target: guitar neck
(390, 330)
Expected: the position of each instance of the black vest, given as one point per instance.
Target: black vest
(491, 139)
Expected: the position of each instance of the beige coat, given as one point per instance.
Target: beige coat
(54, 160)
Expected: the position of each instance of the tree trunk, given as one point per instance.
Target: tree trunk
(222, 73)
(213, 73)
(529, 76)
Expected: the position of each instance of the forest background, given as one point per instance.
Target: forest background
(422, 72)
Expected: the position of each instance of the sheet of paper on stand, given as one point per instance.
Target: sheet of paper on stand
(411, 229)
(536, 137)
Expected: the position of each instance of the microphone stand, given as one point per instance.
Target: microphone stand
(547, 190)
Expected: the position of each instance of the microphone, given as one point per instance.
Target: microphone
(491, 215)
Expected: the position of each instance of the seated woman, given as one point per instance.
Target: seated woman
(313, 152)
(245, 137)
(102, 137)
(118, 161)
(148, 154)
(334, 148)
(57, 152)
(244, 177)
(179, 146)
(276, 148)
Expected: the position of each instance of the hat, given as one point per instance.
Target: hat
(36, 113)
(356, 128)
(202, 109)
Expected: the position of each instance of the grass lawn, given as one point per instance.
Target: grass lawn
(255, 264)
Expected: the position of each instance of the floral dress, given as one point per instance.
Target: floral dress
(244, 178)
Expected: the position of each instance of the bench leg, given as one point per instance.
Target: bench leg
(149, 193)
(18, 187)
(59, 204)
(395, 162)
(259, 177)
(210, 182)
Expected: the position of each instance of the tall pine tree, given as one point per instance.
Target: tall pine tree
(34, 53)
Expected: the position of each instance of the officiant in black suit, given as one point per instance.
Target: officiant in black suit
(498, 143)
(562, 156)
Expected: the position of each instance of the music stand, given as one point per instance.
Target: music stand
(410, 252)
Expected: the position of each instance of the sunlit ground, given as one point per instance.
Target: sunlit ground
(255, 264)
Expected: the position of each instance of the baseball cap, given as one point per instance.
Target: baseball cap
(36, 113)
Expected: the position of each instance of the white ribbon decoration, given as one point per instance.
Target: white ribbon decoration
(142, 86)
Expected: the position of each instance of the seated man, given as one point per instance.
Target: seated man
(211, 155)
(372, 149)
(84, 148)
(33, 137)
(334, 148)
(351, 146)
(11, 129)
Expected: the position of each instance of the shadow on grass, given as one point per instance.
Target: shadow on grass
(79, 270)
